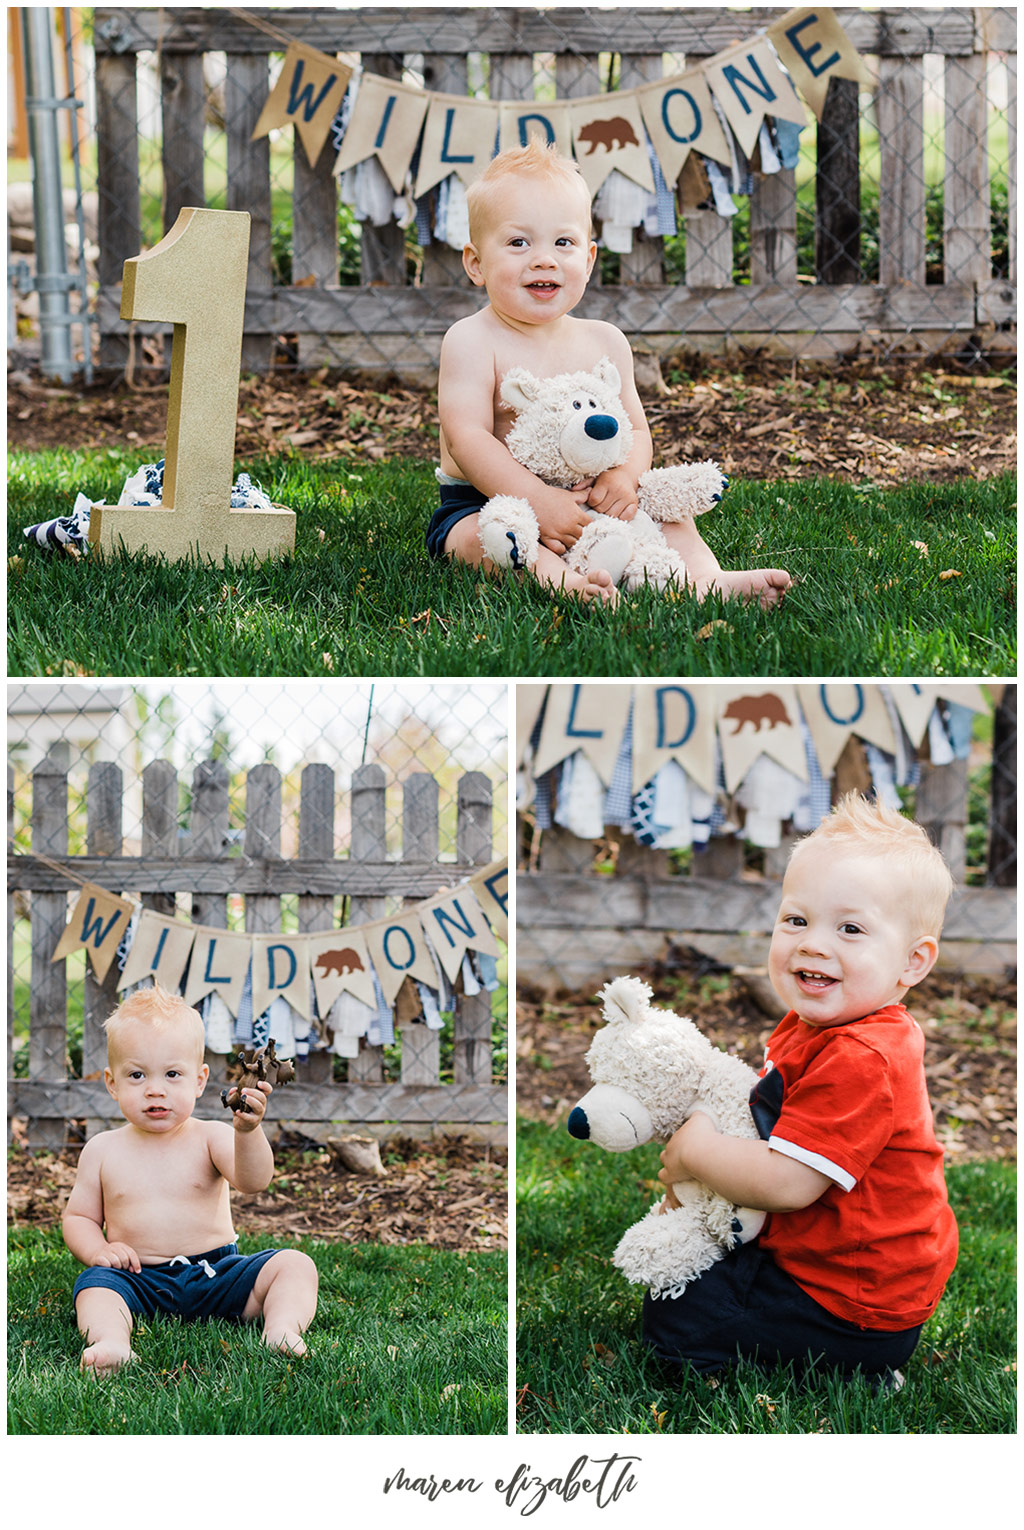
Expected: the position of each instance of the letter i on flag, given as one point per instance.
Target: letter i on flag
(308, 92)
(98, 920)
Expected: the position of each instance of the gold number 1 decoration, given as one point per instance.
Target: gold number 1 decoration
(195, 279)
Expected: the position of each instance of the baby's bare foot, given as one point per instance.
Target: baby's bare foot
(599, 585)
(765, 585)
(595, 584)
(106, 1358)
(288, 1341)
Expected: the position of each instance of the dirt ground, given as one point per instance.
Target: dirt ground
(451, 1193)
(767, 419)
(970, 1047)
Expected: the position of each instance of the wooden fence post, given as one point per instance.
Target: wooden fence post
(837, 187)
(473, 1045)
(159, 824)
(369, 843)
(48, 994)
(316, 843)
(104, 802)
(245, 90)
(421, 1046)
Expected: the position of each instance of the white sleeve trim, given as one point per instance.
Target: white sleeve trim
(824, 1166)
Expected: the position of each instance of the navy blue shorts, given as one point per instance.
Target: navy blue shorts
(746, 1307)
(213, 1285)
(457, 501)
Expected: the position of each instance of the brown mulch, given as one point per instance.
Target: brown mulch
(451, 1193)
(970, 1047)
(766, 419)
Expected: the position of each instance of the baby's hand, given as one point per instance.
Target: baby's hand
(255, 1098)
(614, 493)
(561, 517)
(120, 1256)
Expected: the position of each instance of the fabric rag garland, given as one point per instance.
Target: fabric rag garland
(673, 811)
(144, 487)
(455, 942)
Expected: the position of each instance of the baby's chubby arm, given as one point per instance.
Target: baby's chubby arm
(465, 396)
(240, 1152)
(744, 1171)
(82, 1223)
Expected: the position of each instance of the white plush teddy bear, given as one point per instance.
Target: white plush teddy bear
(568, 429)
(651, 1070)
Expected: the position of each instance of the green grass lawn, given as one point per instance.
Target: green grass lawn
(407, 1340)
(360, 596)
(579, 1358)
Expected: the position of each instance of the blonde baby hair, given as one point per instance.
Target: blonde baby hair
(873, 828)
(535, 159)
(158, 1008)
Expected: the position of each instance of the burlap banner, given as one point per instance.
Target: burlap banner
(771, 74)
(206, 961)
(697, 723)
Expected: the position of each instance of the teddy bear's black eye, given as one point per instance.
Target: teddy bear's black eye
(593, 403)
(576, 404)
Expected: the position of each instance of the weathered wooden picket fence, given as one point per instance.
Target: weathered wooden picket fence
(393, 321)
(200, 863)
(576, 928)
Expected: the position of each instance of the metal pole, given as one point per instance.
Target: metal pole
(47, 199)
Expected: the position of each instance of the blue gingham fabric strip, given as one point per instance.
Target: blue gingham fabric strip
(382, 1027)
(618, 802)
(664, 205)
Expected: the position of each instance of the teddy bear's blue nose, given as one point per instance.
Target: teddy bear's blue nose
(601, 427)
(578, 1124)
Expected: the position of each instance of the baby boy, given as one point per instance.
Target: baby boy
(531, 248)
(150, 1212)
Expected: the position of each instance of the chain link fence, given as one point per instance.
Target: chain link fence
(252, 807)
(890, 229)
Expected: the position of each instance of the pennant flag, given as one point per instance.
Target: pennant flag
(386, 120)
(674, 722)
(836, 710)
(308, 92)
(340, 963)
(680, 115)
(399, 950)
(160, 950)
(749, 86)
(98, 921)
(459, 136)
(491, 889)
(752, 723)
(280, 970)
(814, 48)
(587, 717)
(455, 925)
(549, 121)
(219, 963)
(529, 705)
(607, 135)
(916, 703)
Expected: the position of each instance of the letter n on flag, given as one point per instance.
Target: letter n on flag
(456, 924)
(98, 920)
(308, 92)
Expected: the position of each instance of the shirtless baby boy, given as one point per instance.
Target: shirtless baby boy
(150, 1212)
(531, 247)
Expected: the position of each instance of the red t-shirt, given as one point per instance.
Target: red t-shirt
(850, 1100)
